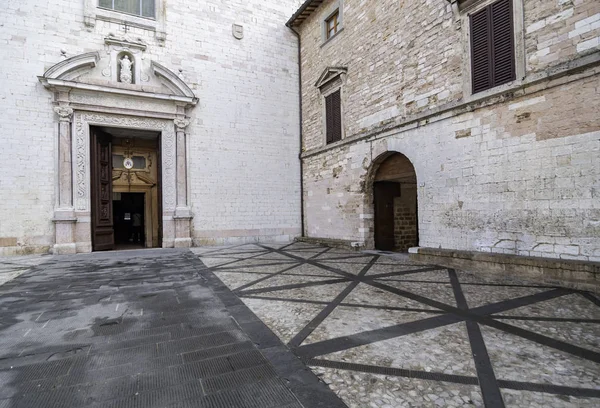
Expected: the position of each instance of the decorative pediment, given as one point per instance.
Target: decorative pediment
(80, 62)
(121, 70)
(330, 74)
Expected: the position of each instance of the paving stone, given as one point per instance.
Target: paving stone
(414, 335)
(110, 330)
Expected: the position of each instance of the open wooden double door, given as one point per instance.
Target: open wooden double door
(103, 233)
(121, 194)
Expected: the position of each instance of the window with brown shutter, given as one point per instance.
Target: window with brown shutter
(492, 46)
(333, 117)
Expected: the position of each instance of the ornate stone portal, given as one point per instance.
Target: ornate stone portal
(84, 97)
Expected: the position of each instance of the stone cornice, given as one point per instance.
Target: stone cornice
(54, 83)
(172, 81)
(59, 70)
(554, 76)
(125, 43)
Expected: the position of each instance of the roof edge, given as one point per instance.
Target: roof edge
(302, 11)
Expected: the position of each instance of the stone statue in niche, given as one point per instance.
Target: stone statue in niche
(126, 75)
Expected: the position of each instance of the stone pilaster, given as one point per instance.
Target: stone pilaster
(183, 214)
(64, 212)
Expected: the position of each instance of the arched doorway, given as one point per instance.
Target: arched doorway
(395, 204)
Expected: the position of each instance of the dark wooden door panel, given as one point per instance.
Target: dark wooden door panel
(103, 236)
(384, 193)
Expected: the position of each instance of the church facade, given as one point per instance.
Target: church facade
(147, 123)
(460, 125)
(452, 125)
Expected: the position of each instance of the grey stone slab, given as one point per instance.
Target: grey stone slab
(136, 329)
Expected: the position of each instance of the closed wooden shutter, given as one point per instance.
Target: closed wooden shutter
(333, 119)
(492, 46)
(503, 42)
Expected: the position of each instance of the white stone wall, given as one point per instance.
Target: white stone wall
(243, 136)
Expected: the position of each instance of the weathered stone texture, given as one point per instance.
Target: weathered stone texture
(555, 31)
(405, 226)
(408, 57)
(243, 135)
(516, 173)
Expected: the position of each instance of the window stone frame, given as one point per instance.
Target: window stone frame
(462, 22)
(330, 81)
(338, 7)
(93, 11)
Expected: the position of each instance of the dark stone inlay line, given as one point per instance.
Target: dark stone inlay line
(302, 382)
(386, 333)
(236, 261)
(538, 338)
(395, 372)
(591, 297)
(292, 286)
(231, 268)
(550, 389)
(492, 397)
(222, 249)
(546, 319)
(264, 278)
(314, 323)
(372, 336)
(403, 273)
(543, 340)
(465, 315)
(357, 305)
(320, 253)
(342, 258)
(476, 284)
(457, 379)
(462, 315)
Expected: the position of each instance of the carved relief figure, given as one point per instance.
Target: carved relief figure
(126, 75)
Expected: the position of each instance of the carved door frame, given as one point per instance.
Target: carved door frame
(83, 97)
(170, 216)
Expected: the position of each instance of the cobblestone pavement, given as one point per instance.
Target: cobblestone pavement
(147, 329)
(385, 332)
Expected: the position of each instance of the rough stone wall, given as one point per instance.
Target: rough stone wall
(514, 173)
(405, 226)
(408, 57)
(243, 136)
(555, 31)
(485, 183)
(391, 71)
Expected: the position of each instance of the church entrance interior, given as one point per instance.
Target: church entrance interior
(128, 216)
(125, 183)
(395, 201)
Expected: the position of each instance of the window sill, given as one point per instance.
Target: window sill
(126, 14)
(327, 41)
(126, 18)
(93, 13)
(494, 90)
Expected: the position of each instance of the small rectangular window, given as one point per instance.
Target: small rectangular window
(492, 46)
(332, 24)
(333, 117)
(143, 8)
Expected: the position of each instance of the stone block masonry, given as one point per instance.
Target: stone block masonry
(405, 226)
(242, 148)
(512, 170)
